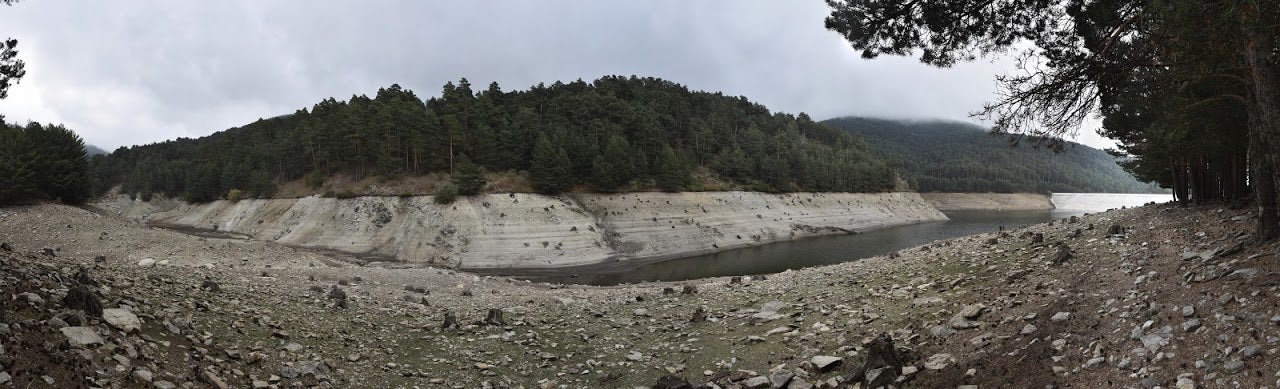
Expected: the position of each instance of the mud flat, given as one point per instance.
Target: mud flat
(518, 230)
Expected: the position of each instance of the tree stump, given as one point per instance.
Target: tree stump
(689, 289)
(672, 382)
(450, 321)
(211, 286)
(83, 299)
(699, 315)
(82, 277)
(339, 297)
(882, 366)
(1063, 255)
(495, 318)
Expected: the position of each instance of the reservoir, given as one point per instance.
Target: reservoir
(781, 256)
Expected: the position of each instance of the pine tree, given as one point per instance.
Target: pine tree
(613, 167)
(549, 168)
(673, 172)
(469, 177)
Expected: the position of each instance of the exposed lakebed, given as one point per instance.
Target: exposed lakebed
(781, 256)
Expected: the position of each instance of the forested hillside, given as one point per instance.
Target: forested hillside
(616, 133)
(942, 156)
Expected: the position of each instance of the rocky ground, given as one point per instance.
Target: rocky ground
(1170, 298)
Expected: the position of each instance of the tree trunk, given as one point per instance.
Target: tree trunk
(1262, 175)
(1264, 117)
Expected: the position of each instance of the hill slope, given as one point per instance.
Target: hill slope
(959, 157)
(613, 134)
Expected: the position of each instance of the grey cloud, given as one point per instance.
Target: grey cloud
(134, 72)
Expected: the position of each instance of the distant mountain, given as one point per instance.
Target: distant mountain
(92, 150)
(941, 156)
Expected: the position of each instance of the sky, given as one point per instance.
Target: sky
(122, 73)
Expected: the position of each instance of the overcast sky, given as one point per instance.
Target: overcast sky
(136, 72)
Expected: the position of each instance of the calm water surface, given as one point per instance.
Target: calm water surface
(777, 257)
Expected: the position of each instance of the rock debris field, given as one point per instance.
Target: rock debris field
(1157, 296)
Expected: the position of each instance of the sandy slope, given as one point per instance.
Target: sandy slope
(535, 231)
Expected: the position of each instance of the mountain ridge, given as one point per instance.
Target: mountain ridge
(955, 156)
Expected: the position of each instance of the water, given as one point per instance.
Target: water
(777, 257)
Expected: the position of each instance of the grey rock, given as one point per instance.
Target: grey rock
(982, 340)
(1060, 317)
(56, 323)
(1250, 351)
(799, 383)
(769, 312)
(317, 369)
(32, 298)
(876, 378)
(122, 319)
(1243, 274)
(780, 379)
(960, 323)
(1188, 310)
(81, 336)
(293, 347)
(1233, 366)
(4, 377)
(1094, 362)
(941, 331)
(162, 384)
(1191, 325)
(1185, 383)
(143, 375)
(1149, 382)
(757, 382)
(825, 362)
(1028, 329)
(635, 356)
(1156, 339)
(972, 311)
(938, 361)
